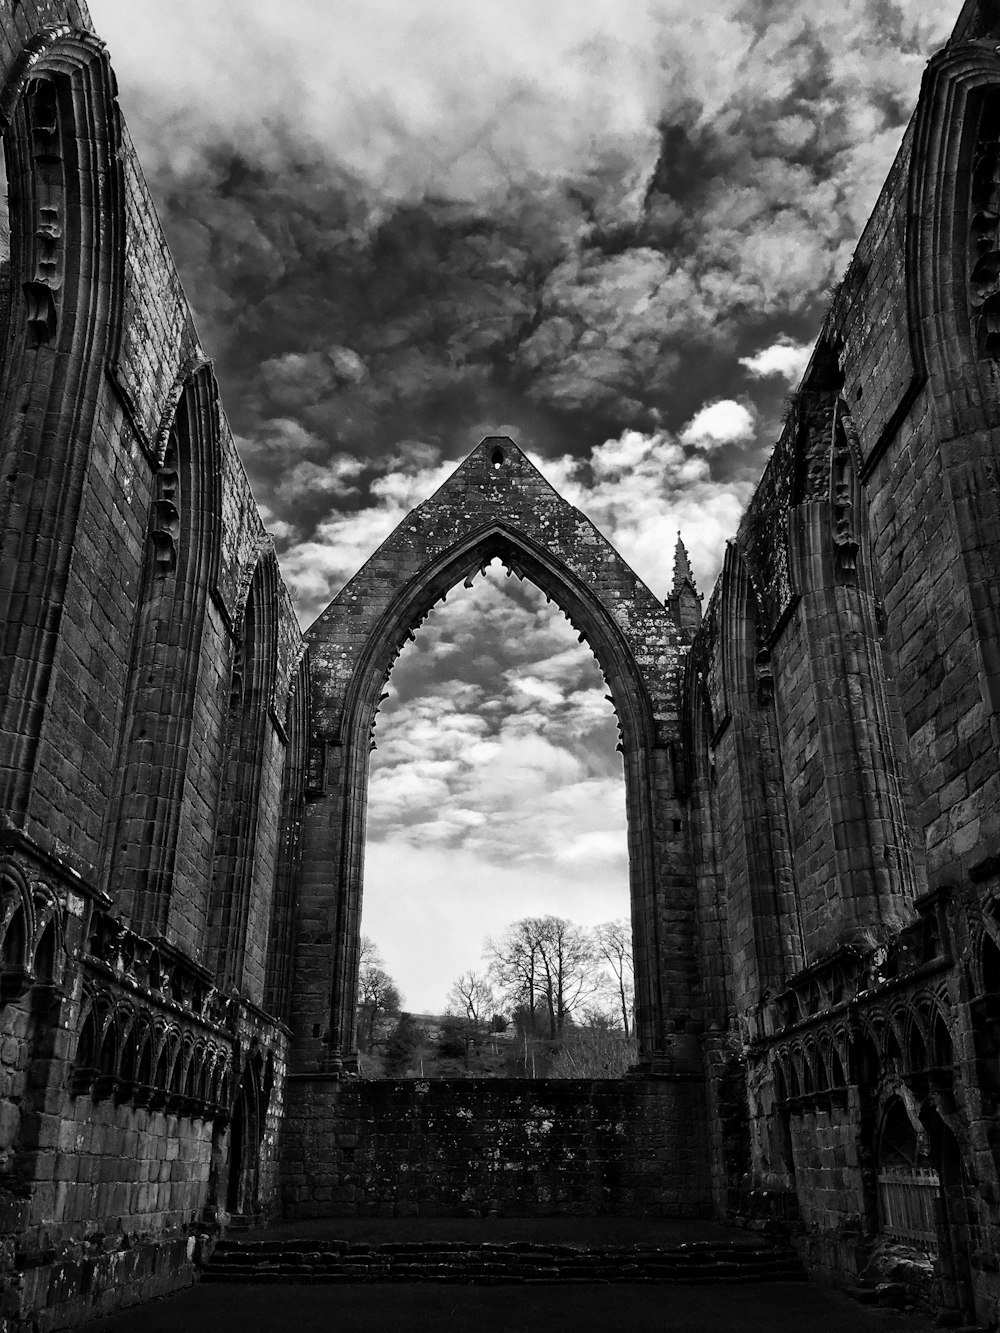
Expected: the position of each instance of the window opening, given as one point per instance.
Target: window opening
(496, 795)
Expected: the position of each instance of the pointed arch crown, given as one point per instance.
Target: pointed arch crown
(497, 505)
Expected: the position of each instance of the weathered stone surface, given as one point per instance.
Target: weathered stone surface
(812, 775)
(512, 1147)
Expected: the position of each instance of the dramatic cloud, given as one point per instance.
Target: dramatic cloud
(568, 220)
(723, 422)
(609, 231)
(784, 357)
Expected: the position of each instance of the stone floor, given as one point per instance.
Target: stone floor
(425, 1308)
(550, 1230)
(773, 1307)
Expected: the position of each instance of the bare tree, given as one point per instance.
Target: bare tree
(545, 963)
(613, 941)
(570, 977)
(513, 965)
(378, 994)
(472, 997)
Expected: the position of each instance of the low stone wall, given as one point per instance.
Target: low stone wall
(98, 1277)
(516, 1148)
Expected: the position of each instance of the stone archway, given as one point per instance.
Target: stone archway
(496, 504)
(245, 1134)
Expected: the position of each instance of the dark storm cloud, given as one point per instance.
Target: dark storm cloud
(569, 242)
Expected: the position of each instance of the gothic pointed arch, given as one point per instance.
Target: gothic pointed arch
(497, 506)
(241, 890)
(700, 735)
(833, 646)
(281, 939)
(764, 926)
(61, 135)
(151, 852)
(953, 242)
(953, 267)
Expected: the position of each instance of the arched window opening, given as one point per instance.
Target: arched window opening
(242, 891)
(760, 906)
(783, 1151)
(85, 1064)
(177, 1076)
(869, 1063)
(107, 1062)
(144, 1070)
(822, 1074)
(63, 291)
(497, 788)
(908, 1183)
(837, 1069)
(245, 1140)
(893, 1053)
(277, 995)
(153, 855)
(204, 1080)
(956, 1221)
(13, 948)
(128, 1067)
(942, 1052)
(44, 966)
(917, 1049)
(780, 1085)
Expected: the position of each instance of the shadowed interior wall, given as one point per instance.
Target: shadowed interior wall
(812, 775)
(514, 1148)
(130, 542)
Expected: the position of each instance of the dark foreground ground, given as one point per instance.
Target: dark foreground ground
(774, 1307)
(779, 1307)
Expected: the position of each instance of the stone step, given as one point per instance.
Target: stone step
(308, 1261)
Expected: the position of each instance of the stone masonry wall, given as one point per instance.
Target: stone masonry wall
(870, 554)
(126, 1064)
(508, 1147)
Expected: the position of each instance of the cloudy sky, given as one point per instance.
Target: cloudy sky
(606, 228)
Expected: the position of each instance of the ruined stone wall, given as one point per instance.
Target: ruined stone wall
(514, 1148)
(132, 1059)
(855, 600)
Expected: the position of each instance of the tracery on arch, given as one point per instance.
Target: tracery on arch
(515, 553)
(61, 134)
(32, 943)
(952, 266)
